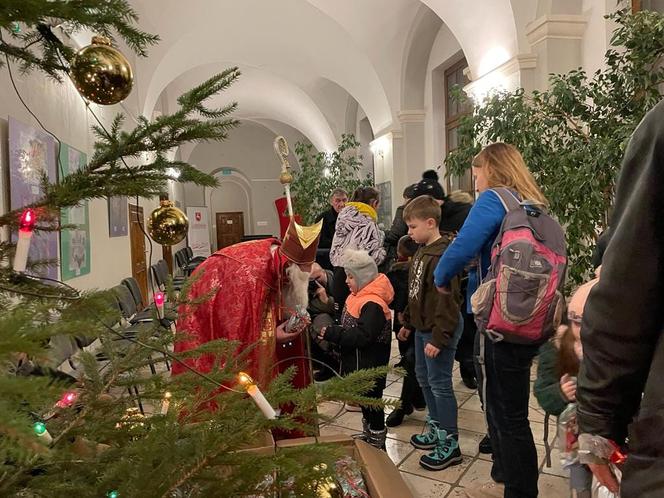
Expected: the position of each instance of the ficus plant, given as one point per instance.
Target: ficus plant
(320, 173)
(573, 134)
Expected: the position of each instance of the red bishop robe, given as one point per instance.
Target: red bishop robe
(246, 308)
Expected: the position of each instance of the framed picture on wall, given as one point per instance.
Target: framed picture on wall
(385, 205)
(118, 220)
(31, 156)
(75, 235)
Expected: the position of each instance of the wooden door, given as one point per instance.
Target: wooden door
(139, 269)
(230, 229)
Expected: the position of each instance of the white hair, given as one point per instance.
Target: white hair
(296, 292)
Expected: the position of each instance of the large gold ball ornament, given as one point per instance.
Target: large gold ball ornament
(101, 73)
(286, 177)
(167, 225)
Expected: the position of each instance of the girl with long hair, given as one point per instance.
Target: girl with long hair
(507, 365)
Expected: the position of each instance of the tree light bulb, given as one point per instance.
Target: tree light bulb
(67, 399)
(245, 379)
(26, 224)
(39, 428)
(252, 389)
(41, 432)
(113, 494)
(27, 221)
(159, 299)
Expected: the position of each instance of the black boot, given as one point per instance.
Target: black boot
(468, 375)
(485, 445)
(395, 418)
(377, 438)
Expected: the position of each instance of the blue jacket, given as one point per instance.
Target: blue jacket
(474, 239)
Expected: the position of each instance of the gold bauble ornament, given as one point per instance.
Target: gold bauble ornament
(286, 177)
(167, 225)
(101, 73)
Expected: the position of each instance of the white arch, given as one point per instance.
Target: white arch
(486, 31)
(290, 39)
(416, 58)
(262, 95)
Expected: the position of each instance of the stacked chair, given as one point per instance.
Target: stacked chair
(130, 312)
(185, 261)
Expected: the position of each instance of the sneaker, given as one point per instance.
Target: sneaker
(485, 445)
(427, 440)
(445, 454)
(395, 418)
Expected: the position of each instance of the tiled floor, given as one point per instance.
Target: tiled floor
(474, 470)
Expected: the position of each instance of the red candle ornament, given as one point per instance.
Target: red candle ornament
(26, 225)
(159, 299)
(67, 399)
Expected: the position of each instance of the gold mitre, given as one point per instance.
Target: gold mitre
(301, 242)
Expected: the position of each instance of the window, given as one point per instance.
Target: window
(655, 5)
(454, 111)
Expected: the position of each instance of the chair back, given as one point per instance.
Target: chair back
(125, 300)
(132, 285)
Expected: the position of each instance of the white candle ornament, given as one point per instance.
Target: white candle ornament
(165, 403)
(26, 225)
(257, 395)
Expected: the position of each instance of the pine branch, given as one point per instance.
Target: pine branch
(106, 175)
(31, 50)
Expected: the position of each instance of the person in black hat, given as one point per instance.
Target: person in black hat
(454, 210)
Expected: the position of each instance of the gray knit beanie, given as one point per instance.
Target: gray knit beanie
(360, 265)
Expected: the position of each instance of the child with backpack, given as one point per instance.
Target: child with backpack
(520, 260)
(555, 389)
(365, 334)
(411, 393)
(437, 325)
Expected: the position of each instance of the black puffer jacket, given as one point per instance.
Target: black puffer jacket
(453, 215)
(620, 390)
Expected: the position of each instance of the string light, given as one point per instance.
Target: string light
(42, 432)
(252, 389)
(113, 494)
(67, 399)
(166, 402)
(26, 225)
(159, 299)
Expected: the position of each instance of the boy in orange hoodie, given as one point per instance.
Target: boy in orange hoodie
(365, 332)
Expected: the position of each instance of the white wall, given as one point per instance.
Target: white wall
(62, 111)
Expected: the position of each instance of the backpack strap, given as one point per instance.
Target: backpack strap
(507, 198)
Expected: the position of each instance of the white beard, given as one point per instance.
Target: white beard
(296, 292)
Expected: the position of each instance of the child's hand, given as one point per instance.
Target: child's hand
(403, 334)
(321, 333)
(431, 351)
(568, 387)
(444, 290)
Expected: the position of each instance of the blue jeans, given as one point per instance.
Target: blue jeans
(435, 378)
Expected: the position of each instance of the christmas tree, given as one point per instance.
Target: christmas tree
(121, 426)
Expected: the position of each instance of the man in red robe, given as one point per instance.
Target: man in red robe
(256, 285)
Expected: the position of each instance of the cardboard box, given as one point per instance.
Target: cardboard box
(381, 476)
(262, 445)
